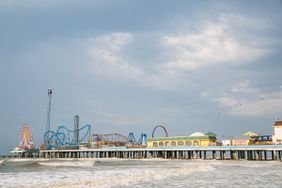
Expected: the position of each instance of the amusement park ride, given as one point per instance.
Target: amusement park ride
(72, 139)
(26, 137)
(116, 139)
(64, 137)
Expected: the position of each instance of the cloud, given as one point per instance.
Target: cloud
(107, 56)
(115, 119)
(214, 44)
(244, 100)
(204, 94)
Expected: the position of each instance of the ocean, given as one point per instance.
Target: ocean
(139, 173)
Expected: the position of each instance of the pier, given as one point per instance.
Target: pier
(268, 152)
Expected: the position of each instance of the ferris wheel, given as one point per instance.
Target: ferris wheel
(26, 136)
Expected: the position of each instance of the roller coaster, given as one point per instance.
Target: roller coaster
(65, 138)
(161, 127)
(71, 139)
(116, 139)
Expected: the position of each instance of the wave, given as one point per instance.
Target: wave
(129, 177)
(15, 160)
(68, 163)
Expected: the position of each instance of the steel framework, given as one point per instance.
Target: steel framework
(162, 127)
(64, 137)
(25, 137)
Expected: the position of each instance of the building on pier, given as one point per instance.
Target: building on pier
(277, 137)
(261, 140)
(195, 139)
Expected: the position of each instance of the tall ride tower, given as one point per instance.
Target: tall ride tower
(76, 130)
(48, 110)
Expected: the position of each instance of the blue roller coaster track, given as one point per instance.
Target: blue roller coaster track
(64, 137)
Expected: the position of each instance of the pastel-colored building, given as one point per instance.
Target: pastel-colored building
(235, 142)
(240, 142)
(261, 140)
(277, 137)
(227, 142)
(195, 139)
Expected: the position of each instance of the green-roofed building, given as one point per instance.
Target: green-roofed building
(195, 139)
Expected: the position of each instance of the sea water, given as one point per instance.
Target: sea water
(139, 173)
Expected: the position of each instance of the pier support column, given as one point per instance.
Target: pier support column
(232, 154)
(205, 155)
(213, 154)
(172, 154)
(244, 154)
(256, 153)
(252, 154)
(274, 155)
(186, 155)
(239, 155)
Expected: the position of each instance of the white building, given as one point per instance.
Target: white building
(277, 137)
(226, 142)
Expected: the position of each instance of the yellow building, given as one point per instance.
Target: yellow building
(195, 139)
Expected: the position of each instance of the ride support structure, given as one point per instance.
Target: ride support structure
(48, 117)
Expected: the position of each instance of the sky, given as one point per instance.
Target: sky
(128, 66)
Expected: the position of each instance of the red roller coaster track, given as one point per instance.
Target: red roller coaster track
(159, 126)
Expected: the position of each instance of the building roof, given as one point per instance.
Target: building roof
(184, 138)
(211, 133)
(197, 134)
(278, 123)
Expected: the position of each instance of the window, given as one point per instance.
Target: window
(173, 143)
(180, 143)
(155, 144)
(161, 144)
(196, 143)
(188, 143)
(166, 143)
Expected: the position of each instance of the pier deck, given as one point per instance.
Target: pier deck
(259, 152)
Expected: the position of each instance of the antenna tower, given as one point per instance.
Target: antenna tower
(48, 110)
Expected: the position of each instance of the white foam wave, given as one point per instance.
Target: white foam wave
(139, 173)
(99, 176)
(68, 163)
(130, 177)
(15, 160)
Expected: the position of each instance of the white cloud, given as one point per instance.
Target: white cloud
(107, 56)
(213, 44)
(244, 100)
(244, 87)
(115, 119)
(204, 94)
